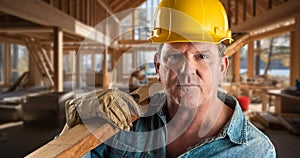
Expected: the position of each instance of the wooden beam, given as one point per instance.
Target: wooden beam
(270, 4)
(236, 12)
(275, 15)
(114, 3)
(75, 142)
(236, 65)
(244, 10)
(250, 62)
(9, 39)
(132, 42)
(58, 59)
(240, 42)
(79, 140)
(253, 9)
(109, 10)
(119, 6)
(275, 32)
(25, 30)
(31, 11)
(105, 83)
(292, 57)
(88, 15)
(7, 64)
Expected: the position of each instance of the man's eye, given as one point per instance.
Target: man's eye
(201, 56)
(175, 56)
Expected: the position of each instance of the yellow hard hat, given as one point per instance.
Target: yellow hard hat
(190, 21)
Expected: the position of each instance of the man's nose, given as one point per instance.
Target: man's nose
(187, 67)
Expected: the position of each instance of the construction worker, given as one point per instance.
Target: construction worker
(191, 118)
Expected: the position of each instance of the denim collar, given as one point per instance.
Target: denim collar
(236, 128)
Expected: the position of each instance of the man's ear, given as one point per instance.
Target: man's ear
(224, 66)
(156, 63)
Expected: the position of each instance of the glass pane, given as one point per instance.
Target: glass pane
(19, 61)
(2, 63)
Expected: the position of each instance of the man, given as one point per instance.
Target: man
(192, 118)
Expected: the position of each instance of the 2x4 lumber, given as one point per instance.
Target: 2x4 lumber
(236, 11)
(78, 10)
(115, 3)
(79, 140)
(51, 17)
(58, 57)
(8, 39)
(131, 42)
(119, 6)
(26, 29)
(244, 10)
(236, 64)
(105, 83)
(75, 142)
(273, 33)
(88, 15)
(7, 63)
(253, 9)
(250, 62)
(275, 15)
(109, 10)
(237, 45)
(292, 57)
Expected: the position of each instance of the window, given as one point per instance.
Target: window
(19, 61)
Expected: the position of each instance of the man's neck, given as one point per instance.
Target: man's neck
(192, 126)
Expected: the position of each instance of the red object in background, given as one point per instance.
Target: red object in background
(244, 102)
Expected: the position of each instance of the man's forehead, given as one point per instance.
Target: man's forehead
(197, 46)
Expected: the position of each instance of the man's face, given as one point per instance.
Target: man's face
(190, 72)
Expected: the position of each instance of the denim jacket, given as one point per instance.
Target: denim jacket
(147, 138)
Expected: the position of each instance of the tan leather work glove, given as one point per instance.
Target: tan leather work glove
(112, 105)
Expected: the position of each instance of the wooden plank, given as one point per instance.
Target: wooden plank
(75, 142)
(25, 30)
(119, 6)
(297, 48)
(105, 83)
(58, 57)
(9, 39)
(244, 10)
(88, 11)
(236, 64)
(273, 33)
(7, 64)
(80, 140)
(132, 42)
(77, 70)
(253, 9)
(250, 62)
(275, 15)
(109, 10)
(292, 57)
(236, 11)
(238, 43)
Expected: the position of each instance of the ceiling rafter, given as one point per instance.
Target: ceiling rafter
(132, 5)
(120, 6)
(108, 9)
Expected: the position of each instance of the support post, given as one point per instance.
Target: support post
(7, 64)
(250, 63)
(236, 64)
(58, 59)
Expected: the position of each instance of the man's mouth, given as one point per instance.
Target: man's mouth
(188, 85)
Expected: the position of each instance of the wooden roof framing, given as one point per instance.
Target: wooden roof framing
(251, 15)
